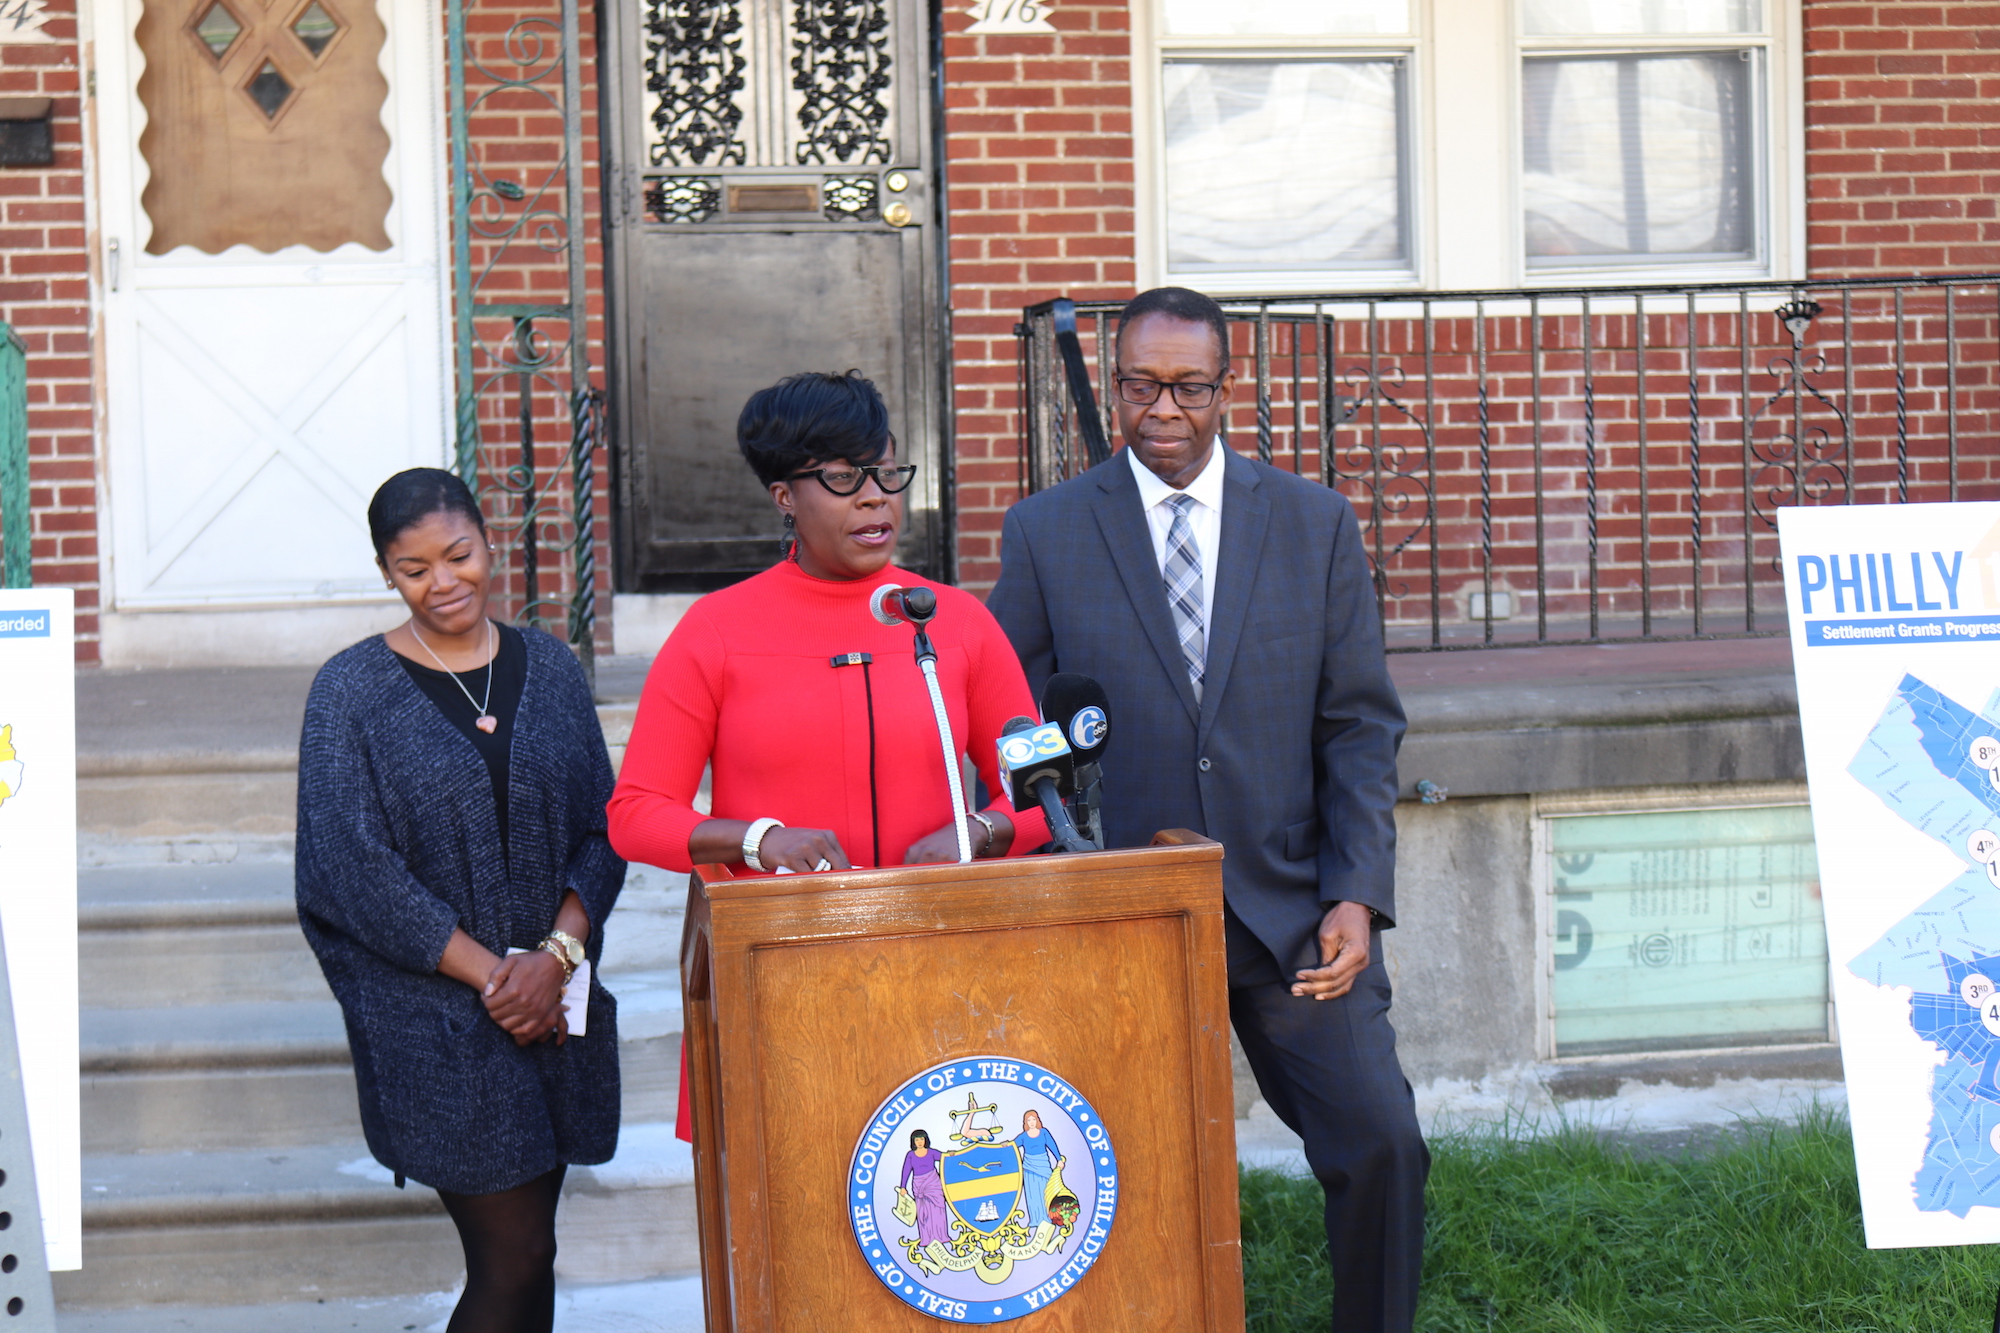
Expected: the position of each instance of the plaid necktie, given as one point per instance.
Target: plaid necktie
(1183, 578)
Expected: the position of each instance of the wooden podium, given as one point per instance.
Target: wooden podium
(812, 998)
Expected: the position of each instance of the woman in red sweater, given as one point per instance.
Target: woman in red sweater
(813, 715)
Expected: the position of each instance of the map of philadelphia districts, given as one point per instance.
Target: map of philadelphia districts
(12, 769)
(1936, 763)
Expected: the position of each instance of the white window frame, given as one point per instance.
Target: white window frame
(1464, 180)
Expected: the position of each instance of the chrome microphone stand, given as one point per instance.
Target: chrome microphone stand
(895, 605)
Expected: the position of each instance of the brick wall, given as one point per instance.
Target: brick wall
(1039, 171)
(45, 296)
(1903, 137)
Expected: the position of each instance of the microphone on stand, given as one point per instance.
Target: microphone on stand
(1079, 705)
(893, 604)
(1039, 768)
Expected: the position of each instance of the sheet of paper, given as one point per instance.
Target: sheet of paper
(576, 995)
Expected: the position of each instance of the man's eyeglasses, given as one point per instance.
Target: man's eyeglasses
(1186, 393)
(848, 480)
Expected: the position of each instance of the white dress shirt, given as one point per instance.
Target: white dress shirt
(1204, 520)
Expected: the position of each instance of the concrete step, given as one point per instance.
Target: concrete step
(167, 932)
(672, 1305)
(200, 1078)
(325, 1222)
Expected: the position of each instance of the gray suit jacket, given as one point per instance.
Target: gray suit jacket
(1289, 760)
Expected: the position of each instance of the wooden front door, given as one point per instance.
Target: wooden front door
(774, 210)
(272, 224)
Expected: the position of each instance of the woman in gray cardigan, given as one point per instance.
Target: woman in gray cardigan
(452, 784)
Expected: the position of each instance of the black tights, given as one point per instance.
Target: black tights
(510, 1257)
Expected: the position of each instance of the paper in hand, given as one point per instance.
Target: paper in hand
(576, 995)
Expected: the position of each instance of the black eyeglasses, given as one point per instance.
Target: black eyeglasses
(1186, 393)
(848, 480)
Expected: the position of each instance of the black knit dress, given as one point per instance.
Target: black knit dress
(399, 842)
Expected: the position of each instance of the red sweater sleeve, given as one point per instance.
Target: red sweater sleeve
(999, 693)
(652, 812)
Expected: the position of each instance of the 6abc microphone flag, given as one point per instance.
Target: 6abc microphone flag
(1055, 764)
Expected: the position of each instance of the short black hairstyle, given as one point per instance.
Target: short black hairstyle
(810, 418)
(1184, 304)
(410, 497)
(916, 1134)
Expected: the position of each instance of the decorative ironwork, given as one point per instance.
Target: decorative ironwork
(840, 65)
(694, 67)
(1615, 454)
(525, 439)
(1802, 462)
(683, 198)
(1389, 474)
(851, 198)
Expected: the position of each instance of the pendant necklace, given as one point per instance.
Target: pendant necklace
(486, 721)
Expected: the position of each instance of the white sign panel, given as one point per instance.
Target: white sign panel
(1895, 623)
(38, 892)
(1001, 16)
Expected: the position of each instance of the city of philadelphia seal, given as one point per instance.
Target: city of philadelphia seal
(983, 1189)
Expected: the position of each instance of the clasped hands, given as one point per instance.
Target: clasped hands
(524, 995)
(522, 992)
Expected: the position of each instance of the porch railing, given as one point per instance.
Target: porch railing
(1577, 466)
(529, 421)
(14, 530)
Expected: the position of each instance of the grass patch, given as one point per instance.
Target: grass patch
(1568, 1235)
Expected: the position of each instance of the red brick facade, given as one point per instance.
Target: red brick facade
(45, 297)
(1902, 137)
(1039, 171)
(1902, 160)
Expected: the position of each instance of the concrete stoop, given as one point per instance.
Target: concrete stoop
(659, 1306)
(223, 1158)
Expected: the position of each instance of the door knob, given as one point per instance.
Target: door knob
(898, 214)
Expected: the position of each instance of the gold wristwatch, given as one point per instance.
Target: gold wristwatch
(567, 950)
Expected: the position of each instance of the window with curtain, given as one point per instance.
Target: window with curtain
(1645, 154)
(1326, 145)
(1284, 134)
(1291, 164)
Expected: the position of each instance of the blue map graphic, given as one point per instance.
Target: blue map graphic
(1918, 760)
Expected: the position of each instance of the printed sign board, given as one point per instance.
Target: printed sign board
(38, 892)
(1895, 625)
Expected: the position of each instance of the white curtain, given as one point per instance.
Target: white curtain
(1284, 164)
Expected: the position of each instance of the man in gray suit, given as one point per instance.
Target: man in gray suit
(1227, 610)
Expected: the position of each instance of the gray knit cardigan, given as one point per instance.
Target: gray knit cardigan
(397, 846)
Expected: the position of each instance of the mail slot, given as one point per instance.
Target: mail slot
(802, 198)
(26, 139)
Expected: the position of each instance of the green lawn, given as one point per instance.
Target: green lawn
(1565, 1235)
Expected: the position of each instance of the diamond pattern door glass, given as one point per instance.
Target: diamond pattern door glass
(218, 30)
(316, 29)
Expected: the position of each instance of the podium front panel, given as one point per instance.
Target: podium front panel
(818, 996)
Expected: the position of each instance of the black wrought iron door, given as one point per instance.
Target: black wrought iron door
(774, 210)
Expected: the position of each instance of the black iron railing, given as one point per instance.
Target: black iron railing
(1577, 466)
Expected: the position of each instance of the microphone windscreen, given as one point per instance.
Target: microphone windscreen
(1018, 724)
(878, 604)
(1079, 705)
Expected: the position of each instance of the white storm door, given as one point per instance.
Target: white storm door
(260, 390)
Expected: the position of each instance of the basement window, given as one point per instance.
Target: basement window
(1683, 929)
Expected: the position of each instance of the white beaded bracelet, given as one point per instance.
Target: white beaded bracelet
(753, 838)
